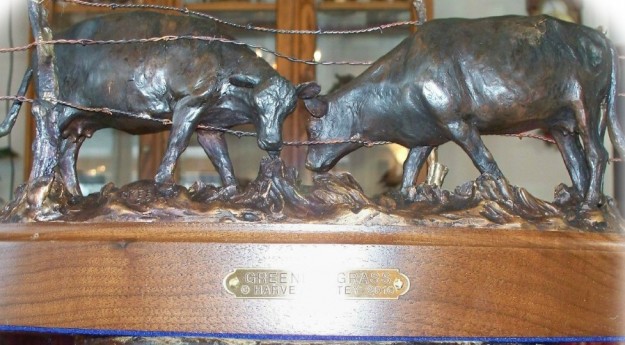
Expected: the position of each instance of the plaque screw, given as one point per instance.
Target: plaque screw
(398, 284)
(234, 282)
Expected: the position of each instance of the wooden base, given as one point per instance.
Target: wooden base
(169, 279)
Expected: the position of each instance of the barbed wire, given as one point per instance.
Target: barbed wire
(167, 122)
(16, 98)
(532, 136)
(240, 134)
(168, 38)
(366, 143)
(184, 10)
(86, 42)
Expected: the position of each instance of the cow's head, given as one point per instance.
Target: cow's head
(332, 121)
(273, 99)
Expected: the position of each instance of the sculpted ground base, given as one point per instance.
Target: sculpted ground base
(276, 196)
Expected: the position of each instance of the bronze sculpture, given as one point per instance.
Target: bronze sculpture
(185, 276)
(456, 79)
(177, 86)
(426, 91)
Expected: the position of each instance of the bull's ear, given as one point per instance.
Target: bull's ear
(308, 90)
(242, 80)
(317, 107)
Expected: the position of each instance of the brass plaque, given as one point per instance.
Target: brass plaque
(263, 283)
(285, 284)
(372, 284)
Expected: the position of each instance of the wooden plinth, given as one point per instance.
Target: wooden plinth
(168, 279)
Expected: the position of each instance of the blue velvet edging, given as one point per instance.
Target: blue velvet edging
(289, 337)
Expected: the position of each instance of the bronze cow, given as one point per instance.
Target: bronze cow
(188, 82)
(457, 79)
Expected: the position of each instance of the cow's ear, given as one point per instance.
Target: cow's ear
(242, 80)
(317, 107)
(308, 90)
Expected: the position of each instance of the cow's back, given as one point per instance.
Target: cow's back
(512, 39)
(141, 24)
(506, 70)
(149, 77)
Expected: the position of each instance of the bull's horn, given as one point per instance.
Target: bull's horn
(317, 107)
(308, 90)
(242, 80)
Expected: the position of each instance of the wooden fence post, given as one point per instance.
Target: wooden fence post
(46, 143)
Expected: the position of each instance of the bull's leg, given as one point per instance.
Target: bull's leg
(412, 165)
(67, 164)
(468, 138)
(573, 156)
(596, 155)
(214, 144)
(184, 122)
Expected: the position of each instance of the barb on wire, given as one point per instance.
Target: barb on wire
(88, 42)
(184, 10)
(531, 135)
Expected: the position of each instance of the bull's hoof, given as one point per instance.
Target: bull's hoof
(591, 219)
(592, 204)
(228, 191)
(167, 189)
(409, 194)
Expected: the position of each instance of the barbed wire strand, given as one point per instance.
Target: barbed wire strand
(239, 134)
(86, 42)
(168, 38)
(184, 10)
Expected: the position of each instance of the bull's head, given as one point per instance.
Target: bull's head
(273, 99)
(332, 121)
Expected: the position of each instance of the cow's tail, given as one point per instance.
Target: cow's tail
(9, 121)
(614, 127)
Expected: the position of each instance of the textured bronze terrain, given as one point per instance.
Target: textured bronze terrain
(277, 196)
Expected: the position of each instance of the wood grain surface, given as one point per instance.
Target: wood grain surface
(169, 278)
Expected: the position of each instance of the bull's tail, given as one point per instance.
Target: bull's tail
(614, 127)
(9, 121)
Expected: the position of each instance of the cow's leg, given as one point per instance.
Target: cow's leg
(67, 164)
(588, 125)
(184, 123)
(412, 165)
(468, 138)
(573, 156)
(214, 144)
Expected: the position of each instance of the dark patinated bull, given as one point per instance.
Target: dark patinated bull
(456, 79)
(189, 82)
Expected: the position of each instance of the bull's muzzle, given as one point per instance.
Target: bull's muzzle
(316, 166)
(270, 146)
